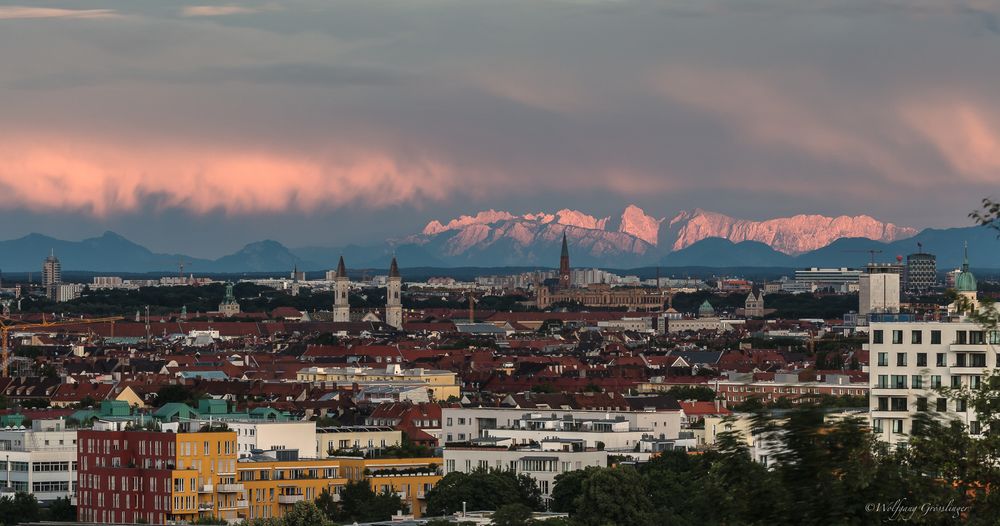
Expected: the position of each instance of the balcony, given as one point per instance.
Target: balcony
(205, 488)
(242, 503)
(230, 488)
(206, 506)
(290, 499)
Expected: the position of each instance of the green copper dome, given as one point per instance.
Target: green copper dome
(706, 309)
(965, 281)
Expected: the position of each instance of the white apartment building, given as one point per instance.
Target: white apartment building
(879, 290)
(616, 428)
(542, 463)
(40, 460)
(910, 360)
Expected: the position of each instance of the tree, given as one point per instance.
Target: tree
(20, 508)
(305, 514)
(358, 502)
(328, 505)
(175, 393)
(482, 489)
(61, 510)
(568, 487)
(614, 497)
(516, 514)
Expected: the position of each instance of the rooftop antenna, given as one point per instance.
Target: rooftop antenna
(920, 247)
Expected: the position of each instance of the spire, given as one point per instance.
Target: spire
(393, 268)
(965, 258)
(565, 247)
(341, 268)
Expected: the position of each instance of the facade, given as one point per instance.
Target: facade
(440, 384)
(542, 463)
(753, 307)
(837, 278)
(911, 360)
(51, 275)
(464, 424)
(229, 306)
(879, 290)
(603, 295)
(331, 441)
(341, 288)
(393, 297)
(921, 272)
(40, 460)
(159, 477)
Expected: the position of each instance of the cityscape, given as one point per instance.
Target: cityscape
(499, 262)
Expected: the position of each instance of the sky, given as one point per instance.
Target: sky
(200, 126)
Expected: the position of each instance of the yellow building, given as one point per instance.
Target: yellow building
(440, 384)
(410, 478)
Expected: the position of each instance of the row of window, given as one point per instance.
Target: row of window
(899, 403)
(976, 359)
(917, 337)
(898, 381)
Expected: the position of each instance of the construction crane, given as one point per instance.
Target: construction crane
(6, 326)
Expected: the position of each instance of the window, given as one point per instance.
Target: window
(883, 359)
(962, 337)
(975, 428)
(897, 337)
(877, 425)
(960, 406)
(897, 426)
(883, 382)
(921, 359)
(975, 381)
(921, 404)
(960, 360)
(956, 382)
(901, 359)
(977, 360)
(935, 337)
(941, 360)
(942, 405)
(977, 337)
(877, 336)
(899, 381)
(898, 404)
(916, 337)
(935, 381)
(994, 337)
(917, 381)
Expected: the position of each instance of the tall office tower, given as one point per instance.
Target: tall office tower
(51, 275)
(921, 272)
(879, 289)
(393, 297)
(341, 287)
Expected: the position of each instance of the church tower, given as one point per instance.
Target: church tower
(393, 297)
(341, 287)
(564, 274)
(965, 285)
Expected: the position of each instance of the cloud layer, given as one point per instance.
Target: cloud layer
(312, 106)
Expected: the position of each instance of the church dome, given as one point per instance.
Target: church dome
(965, 281)
(706, 309)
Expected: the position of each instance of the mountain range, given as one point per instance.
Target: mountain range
(498, 238)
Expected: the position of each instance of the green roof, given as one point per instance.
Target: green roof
(965, 281)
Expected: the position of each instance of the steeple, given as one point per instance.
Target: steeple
(393, 268)
(341, 268)
(565, 247)
(564, 272)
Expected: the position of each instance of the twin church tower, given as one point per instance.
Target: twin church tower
(393, 295)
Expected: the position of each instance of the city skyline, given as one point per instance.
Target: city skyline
(200, 128)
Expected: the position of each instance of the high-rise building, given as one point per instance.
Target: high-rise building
(564, 271)
(51, 275)
(393, 297)
(921, 272)
(879, 289)
(341, 287)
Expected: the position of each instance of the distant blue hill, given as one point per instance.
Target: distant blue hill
(111, 252)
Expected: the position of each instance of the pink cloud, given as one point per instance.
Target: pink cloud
(23, 12)
(47, 175)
